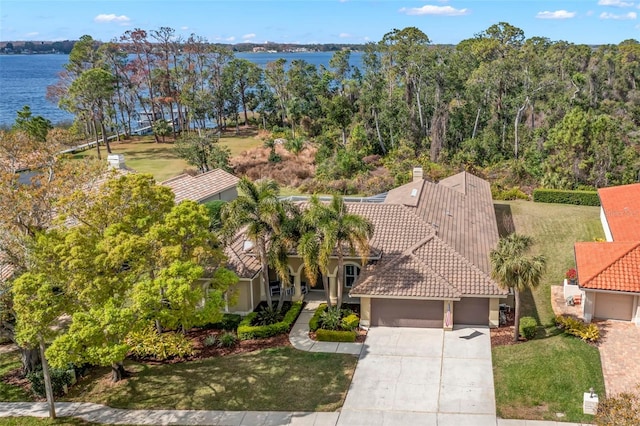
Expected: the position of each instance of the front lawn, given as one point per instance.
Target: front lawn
(540, 378)
(10, 361)
(277, 379)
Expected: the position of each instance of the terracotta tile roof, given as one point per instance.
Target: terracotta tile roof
(621, 205)
(244, 263)
(200, 187)
(461, 209)
(609, 266)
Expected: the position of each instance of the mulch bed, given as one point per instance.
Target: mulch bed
(503, 335)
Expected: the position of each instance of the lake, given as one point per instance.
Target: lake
(24, 80)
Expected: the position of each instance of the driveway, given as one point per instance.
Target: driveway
(422, 376)
(620, 355)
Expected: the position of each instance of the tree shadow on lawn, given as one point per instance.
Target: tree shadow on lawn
(504, 219)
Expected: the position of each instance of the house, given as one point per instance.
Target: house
(209, 186)
(429, 260)
(609, 272)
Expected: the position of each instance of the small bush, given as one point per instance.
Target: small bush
(267, 315)
(350, 322)
(59, 379)
(528, 327)
(314, 322)
(576, 327)
(560, 196)
(210, 341)
(508, 194)
(147, 343)
(247, 331)
(227, 340)
(331, 319)
(335, 335)
(228, 322)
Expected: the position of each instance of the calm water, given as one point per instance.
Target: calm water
(24, 80)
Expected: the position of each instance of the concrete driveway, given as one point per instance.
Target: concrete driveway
(422, 377)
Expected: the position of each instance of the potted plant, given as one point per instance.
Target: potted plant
(571, 276)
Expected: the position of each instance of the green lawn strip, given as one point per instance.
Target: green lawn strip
(555, 228)
(539, 378)
(279, 379)
(8, 362)
(37, 421)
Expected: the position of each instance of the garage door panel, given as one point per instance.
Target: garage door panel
(406, 313)
(471, 311)
(614, 306)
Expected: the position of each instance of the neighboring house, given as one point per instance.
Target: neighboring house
(429, 260)
(609, 272)
(209, 186)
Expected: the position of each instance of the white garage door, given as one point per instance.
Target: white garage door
(614, 306)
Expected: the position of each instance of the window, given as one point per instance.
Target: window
(351, 273)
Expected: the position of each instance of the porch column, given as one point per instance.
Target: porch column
(494, 313)
(365, 312)
(447, 315)
(297, 294)
(333, 289)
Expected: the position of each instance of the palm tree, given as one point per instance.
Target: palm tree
(512, 268)
(261, 213)
(337, 231)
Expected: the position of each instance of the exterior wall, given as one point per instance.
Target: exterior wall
(226, 195)
(636, 310)
(605, 225)
(494, 313)
(242, 298)
(588, 305)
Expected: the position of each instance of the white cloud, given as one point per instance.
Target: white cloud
(249, 36)
(429, 9)
(32, 34)
(184, 28)
(615, 3)
(630, 15)
(105, 18)
(232, 38)
(344, 35)
(558, 14)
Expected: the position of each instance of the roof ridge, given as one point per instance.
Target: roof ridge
(613, 262)
(454, 289)
(180, 176)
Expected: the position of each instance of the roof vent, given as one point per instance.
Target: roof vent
(417, 174)
(414, 192)
(247, 245)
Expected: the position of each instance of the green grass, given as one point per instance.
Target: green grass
(555, 228)
(145, 156)
(8, 362)
(280, 379)
(539, 378)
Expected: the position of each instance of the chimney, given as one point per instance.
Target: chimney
(116, 161)
(417, 174)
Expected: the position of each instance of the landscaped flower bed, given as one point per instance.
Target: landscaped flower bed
(248, 331)
(331, 325)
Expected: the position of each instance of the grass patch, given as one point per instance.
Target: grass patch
(537, 379)
(8, 362)
(555, 228)
(144, 155)
(279, 379)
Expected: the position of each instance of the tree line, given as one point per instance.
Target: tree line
(555, 113)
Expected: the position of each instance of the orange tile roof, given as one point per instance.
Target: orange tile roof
(621, 205)
(200, 187)
(609, 266)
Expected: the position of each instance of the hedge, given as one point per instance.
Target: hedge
(560, 196)
(314, 322)
(323, 335)
(247, 331)
(528, 327)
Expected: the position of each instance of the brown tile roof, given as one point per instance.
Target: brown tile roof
(244, 263)
(609, 266)
(461, 210)
(621, 205)
(200, 187)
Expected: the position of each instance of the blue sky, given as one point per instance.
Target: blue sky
(320, 21)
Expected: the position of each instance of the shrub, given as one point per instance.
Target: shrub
(267, 315)
(59, 379)
(247, 331)
(147, 343)
(228, 322)
(331, 319)
(335, 335)
(350, 322)
(210, 341)
(508, 194)
(528, 327)
(561, 196)
(227, 340)
(314, 322)
(622, 409)
(576, 327)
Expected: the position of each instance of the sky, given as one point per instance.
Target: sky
(320, 21)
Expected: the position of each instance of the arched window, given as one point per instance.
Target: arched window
(351, 273)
